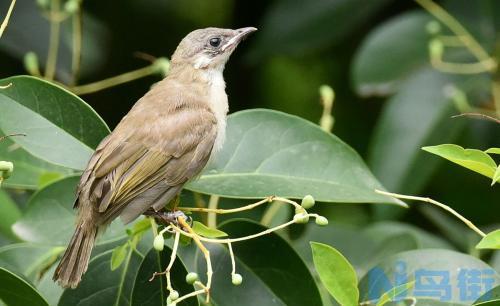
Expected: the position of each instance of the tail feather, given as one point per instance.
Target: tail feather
(76, 258)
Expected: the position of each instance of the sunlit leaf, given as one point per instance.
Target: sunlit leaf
(336, 274)
(394, 293)
(490, 241)
(472, 159)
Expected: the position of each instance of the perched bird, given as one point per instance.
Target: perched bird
(164, 141)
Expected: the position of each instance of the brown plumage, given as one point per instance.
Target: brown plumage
(164, 141)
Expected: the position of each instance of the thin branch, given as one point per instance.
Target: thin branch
(454, 25)
(212, 206)
(7, 18)
(434, 202)
(11, 135)
(55, 29)
(483, 116)
(116, 80)
(77, 45)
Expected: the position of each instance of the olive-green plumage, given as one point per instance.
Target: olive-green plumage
(164, 141)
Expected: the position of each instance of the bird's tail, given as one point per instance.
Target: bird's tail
(76, 258)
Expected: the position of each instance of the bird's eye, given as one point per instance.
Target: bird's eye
(215, 42)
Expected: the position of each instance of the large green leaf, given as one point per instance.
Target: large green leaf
(60, 127)
(452, 272)
(490, 298)
(146, 293)
(10, 214)
(411, 119)
(50, 218)
(391, 53)
(273, 274)
(317, 23)
(15, 291)
(101, 286)
(28, 259)
(336, 274)
(472, 159)
(269, 152)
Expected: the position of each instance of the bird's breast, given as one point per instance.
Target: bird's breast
(218, 104)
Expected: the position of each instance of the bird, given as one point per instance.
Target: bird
(164, 141)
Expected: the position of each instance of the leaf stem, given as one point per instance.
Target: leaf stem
(434, 202)
(55, 29)
(77, 45)
(454, 25)
(116, 80)
(5, 22)
(212, 206)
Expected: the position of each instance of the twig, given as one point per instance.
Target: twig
(77, 45)
(462, 34)
(55, 29)
(11, 135)
(434, 202)
(5, 22)
(483, 116)
(212, 216)
(116, 80)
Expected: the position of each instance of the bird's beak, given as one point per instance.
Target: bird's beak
(239, 36)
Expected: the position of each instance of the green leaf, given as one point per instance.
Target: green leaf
(28, 169)
(391, 53)
(394, 293)
(101, 286)
(146, 293)
(420, 266)
(472, 159)
(60, 127)
(205, 231)
(269, 152)
(490, 298)
(16, 291)
(493, 151)
(50, 218)
(273, 274)
(288, 19)
(336, 274)
(118, 256)
(28, 259)
(410, 120)
(496, 176)
(490, 241)
(10, 214)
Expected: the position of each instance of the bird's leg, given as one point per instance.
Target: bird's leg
(167, 217)
(206, 253)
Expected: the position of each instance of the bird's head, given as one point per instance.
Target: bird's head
(209, 48)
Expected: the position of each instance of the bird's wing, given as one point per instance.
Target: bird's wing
(147, 159)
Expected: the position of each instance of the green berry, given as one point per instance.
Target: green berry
(301, 218)
(174, 295)
(191, 278)
(433, 27)
(159, 243)
(322, 221)
(237, 279)
(44, 4)
(31, 63)
(71, 6)
(6, 169)
(307, 202)
(436, 48)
